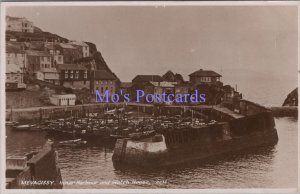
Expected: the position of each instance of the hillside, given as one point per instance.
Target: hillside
(40, 35)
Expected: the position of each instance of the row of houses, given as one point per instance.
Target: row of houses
(171, 83)
(53, 62)
(51, 67)
(45, 61)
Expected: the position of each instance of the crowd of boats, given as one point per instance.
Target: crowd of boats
(109, 126)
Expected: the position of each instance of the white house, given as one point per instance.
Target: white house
(50, 75)
(18, 24)
(14, 78)
(63, 99)
(84, 47)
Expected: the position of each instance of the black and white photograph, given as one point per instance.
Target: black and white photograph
(165, 96)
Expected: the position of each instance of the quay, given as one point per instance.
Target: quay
(285, 111)
(47, 112)
(36, 167)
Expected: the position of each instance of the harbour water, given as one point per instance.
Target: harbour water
(265, 167)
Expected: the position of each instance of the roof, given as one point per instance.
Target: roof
(13, 69)
(183, 84)
(148, 78)
(126, 84)
(36, 45)
(37, 53)
(13, 49)
(66, 46)
(62, 95)
(205, 73)
(71, 67)
(16, 18)
(228, 88)
(50, 46)
(77, 43)
(163, 84)
(104, 75)
(16, 44)
(48, 70)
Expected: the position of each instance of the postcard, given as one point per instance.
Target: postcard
(154, 97)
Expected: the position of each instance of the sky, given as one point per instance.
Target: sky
(236, 41)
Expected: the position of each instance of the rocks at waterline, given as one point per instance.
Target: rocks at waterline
(292, 98)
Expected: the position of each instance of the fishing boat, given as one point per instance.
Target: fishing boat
(73, 142)
(26, 127)
(10, 123)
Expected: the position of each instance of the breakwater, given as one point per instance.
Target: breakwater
(285, 111)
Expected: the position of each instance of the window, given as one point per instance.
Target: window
(66, 71)
(66, 75)
(97, 82)
(77, 71)
(71, 75)
(48, 58)
(85, 75)
(71, 71)
(52, 65)
(111, 82)
(76, 75)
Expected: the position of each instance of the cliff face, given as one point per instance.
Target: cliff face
(97, 57)
(291, 99)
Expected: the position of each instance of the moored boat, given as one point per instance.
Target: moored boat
(73, 142)
(25, 127)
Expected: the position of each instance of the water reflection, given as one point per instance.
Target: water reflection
(261, 167)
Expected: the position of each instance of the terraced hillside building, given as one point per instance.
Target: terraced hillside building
(17, 24)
